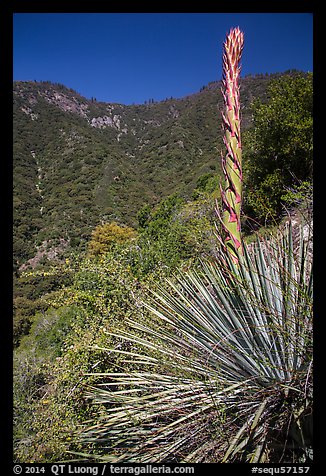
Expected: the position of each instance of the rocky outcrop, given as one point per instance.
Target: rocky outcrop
(53, 252)
(106, 121)
(67, 104)
(30, 113)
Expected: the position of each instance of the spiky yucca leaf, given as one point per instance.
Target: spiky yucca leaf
(225, 366)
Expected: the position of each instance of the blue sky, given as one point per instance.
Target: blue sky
(132, 57)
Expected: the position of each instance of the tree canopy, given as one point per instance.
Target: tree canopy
(278, 149)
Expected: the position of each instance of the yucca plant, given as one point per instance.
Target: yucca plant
(225, 373)
(222, 372)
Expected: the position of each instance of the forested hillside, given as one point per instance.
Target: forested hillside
(79, 162)
(109, 201)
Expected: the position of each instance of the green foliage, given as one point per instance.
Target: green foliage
(29, 289)
(161, 217)
(278, 149)
(24, 311)
(172, 233)
(51, 362)
(33, 371)
(265, 200)
(160, 244)
(143, 216)
(300, 196)
(207, 183)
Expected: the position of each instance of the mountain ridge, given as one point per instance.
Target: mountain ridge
(80, 162)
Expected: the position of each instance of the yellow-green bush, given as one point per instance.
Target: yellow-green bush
(107, 235)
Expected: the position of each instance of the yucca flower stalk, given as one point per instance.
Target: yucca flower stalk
(231, 193)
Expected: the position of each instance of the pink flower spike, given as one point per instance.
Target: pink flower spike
(231, 160)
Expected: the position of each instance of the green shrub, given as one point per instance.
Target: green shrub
(278, 149)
